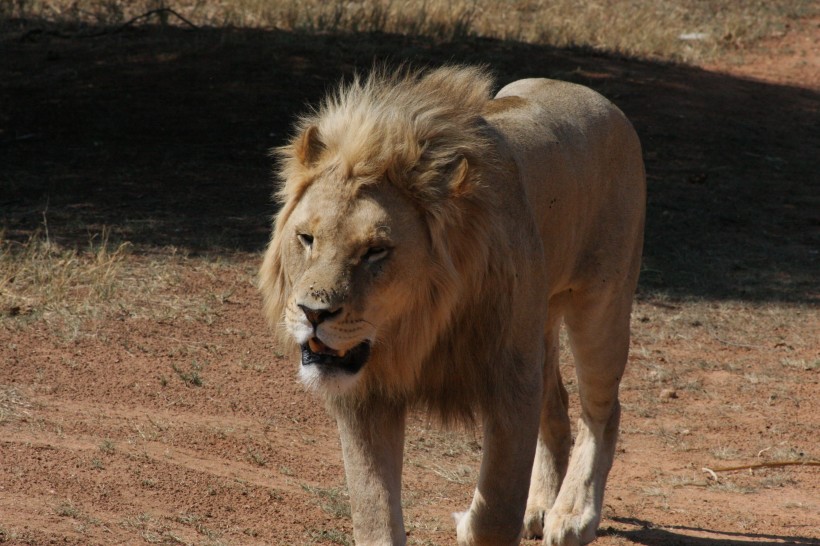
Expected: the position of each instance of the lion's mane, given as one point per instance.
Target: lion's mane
(423, 132)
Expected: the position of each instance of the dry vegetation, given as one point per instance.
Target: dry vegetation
(683, 30)
(43, 277)
(72, 290)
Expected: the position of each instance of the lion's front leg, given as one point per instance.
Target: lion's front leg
(497, 511)
(372, 446)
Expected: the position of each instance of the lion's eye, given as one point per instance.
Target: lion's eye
(305, 239)
(375, 253)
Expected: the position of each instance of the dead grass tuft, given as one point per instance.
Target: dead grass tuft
(13, 405)
(333, 500)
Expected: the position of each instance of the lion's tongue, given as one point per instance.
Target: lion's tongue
(317, 346)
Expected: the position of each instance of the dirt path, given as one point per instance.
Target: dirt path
(106, 439)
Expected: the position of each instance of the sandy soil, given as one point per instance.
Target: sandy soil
(172, 418)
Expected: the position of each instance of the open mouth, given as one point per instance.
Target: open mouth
(316, 353)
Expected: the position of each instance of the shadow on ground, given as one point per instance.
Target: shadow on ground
(161, 135)
(675, 535)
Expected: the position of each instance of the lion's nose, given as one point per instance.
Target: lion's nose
(317, 316)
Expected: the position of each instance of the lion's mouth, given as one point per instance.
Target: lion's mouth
(316, 353)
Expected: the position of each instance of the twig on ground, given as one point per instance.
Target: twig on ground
(156, 12)
(773, 464)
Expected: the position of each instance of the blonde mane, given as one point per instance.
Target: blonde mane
(410, 126)
(423, 132)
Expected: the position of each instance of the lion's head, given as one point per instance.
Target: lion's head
(369, 250)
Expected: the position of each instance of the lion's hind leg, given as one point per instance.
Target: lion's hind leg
(598, 327)
(554, 438)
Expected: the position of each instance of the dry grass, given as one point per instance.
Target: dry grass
(41, 277)
(775, 328)
(70, 288)
(13, 405)
(334, 500)
(682, 30)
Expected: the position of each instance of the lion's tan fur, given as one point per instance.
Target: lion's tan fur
(512, 214)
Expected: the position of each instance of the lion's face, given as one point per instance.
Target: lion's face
(354, 259)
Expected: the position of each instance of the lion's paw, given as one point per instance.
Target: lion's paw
(569, 529)
(534, 523)
(463, 534)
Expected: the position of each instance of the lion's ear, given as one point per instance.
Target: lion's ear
(308, 146)
(459, 183)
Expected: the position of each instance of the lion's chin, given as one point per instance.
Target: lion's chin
(327, 371)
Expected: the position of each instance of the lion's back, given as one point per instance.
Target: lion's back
(580, 164)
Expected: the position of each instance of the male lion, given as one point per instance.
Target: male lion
(430, 242)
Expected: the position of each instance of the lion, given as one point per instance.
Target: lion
(431, 241)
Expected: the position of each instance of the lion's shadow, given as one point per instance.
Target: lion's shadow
(650, 534)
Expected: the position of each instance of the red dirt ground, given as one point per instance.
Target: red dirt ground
(173, 418)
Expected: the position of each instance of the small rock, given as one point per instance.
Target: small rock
(693, 36)
(668, 394)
